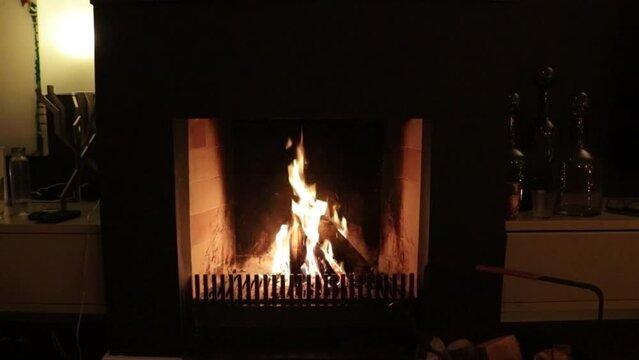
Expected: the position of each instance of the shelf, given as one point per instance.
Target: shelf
(604, 222)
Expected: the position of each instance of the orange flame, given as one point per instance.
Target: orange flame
(307, 212)
(281, 258)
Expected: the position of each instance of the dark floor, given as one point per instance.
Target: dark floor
(299, 346)
(54, 337)
(51, 337)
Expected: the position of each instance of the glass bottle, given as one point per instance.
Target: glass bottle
(19, 182)
(542, 183)
(580, 175)
(516, 162)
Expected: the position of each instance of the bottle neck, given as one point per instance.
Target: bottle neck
(579, 124)
(511, 130)
(544, 108)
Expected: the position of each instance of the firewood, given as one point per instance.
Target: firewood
(438, 347)
(558, 352)
(502, 348)
(462, 349)
(343, 248)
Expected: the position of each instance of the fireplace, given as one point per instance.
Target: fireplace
(316, 219)
(342, 198)
(395, 79)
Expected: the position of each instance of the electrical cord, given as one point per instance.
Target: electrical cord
(38, 192)
(84, 273)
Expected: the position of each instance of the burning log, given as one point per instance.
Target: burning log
(356, 257)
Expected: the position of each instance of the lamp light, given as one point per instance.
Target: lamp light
(74, 33)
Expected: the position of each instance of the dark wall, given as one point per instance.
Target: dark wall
(588, 43)
(450, 62)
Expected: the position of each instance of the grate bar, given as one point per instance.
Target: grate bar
(302, 290)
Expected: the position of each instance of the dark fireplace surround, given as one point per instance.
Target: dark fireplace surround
(161, 61)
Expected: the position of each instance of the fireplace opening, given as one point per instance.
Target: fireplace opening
(293, 211)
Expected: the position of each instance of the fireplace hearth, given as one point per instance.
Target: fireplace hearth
(160, 64)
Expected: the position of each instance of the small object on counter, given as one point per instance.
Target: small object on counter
(543, 203)
(513, 200)
(623, 206)
(53, 216)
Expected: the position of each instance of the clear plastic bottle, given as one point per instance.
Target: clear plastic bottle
(19, 182)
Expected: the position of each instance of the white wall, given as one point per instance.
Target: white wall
(67, 69)
(17, 77)
(66, 44)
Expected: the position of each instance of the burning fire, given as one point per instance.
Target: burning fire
(307, 212)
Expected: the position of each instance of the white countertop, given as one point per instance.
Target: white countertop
(604, 222)
(87, 222)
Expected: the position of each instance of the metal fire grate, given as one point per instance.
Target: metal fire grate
(302, 290)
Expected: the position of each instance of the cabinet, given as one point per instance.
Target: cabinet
(52, 268)
(602, 250)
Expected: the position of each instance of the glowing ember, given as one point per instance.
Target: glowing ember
(307, 212)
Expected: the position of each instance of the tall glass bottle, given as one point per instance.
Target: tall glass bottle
(516, 161)
(20, 182)
(580, 173)
(542, 154)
